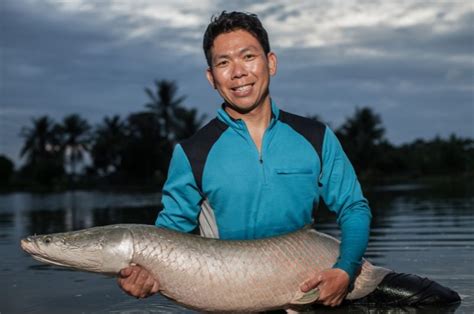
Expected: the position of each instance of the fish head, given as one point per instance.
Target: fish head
(100, 249)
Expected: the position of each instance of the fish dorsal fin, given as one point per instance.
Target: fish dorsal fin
(305, 297)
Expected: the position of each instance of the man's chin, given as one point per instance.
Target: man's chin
(242, 108)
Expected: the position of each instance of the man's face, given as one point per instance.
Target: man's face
(240, 70)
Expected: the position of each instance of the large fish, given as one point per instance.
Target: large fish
(206, 274)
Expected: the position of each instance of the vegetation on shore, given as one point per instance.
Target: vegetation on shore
(134, 152)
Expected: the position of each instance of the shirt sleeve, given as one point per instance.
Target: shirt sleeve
(342, 194)
(181, 198)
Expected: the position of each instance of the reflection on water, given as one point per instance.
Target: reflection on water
(413, 231)
(59, 212)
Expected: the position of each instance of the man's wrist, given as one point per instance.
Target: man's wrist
(351, 269)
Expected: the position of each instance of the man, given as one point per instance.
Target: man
(261, 169)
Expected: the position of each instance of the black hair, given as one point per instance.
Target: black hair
(228, 22)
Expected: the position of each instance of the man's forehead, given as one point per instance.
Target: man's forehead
(237, 32)
(226, 44)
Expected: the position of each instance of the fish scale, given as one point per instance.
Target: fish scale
(206, 274)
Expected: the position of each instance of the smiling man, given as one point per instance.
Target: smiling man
(256, 171)
(259, 168)
(240, 70)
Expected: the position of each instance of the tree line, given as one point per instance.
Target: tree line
(136, 150)
(375, 158)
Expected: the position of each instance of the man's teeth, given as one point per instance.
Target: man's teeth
(242, 88)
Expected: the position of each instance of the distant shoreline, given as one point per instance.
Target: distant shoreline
(369, 184)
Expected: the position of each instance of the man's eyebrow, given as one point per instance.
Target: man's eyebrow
(242, 51)
(247, 49)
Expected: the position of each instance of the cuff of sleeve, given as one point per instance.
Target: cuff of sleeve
(351, 268)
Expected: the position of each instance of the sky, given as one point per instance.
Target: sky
(412, 61)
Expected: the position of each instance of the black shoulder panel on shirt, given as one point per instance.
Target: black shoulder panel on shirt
(197, 147)
(312, 130)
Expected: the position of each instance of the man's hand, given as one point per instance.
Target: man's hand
(137, 282)
(332, 283)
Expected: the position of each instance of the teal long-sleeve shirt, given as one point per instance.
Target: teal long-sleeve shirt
(256, 195)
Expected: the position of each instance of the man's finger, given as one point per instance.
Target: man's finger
(125, 272)
(144, 278)
(136, 278)
(336, 302)
(340, 299)
(155, 288)
(311, 283)
(127, 283)
(147, 286)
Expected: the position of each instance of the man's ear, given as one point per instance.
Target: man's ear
(272, 63)
(210, 77)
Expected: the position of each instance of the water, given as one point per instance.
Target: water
(414, 231)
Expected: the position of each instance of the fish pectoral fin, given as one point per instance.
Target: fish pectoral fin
(305, 297)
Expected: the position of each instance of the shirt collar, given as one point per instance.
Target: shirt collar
(238, 123)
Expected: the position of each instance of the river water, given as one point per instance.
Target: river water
(415, 230)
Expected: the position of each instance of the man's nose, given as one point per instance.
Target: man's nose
(239, 70)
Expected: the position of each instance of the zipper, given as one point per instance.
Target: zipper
(259, 153)
(260, 156)
(260, 159)
(261, 163)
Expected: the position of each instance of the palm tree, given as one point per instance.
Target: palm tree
(43, 151)
(187, 122)
(164, 103)
(146, 151)
(7, 168)
(360, 136)
(76, 139)
(42, 140)
(109, 144)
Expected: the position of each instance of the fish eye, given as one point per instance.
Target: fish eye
(47, 240)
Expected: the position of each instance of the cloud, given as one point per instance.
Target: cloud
(410, 60)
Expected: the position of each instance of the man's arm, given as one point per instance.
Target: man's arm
(342, 194)
(181, 205)
(181, 197)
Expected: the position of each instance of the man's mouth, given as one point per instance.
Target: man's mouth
(242, 90)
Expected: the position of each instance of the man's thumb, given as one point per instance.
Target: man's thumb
(125, 272)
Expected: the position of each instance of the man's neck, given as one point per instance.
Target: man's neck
(256, 121)
(259, 118)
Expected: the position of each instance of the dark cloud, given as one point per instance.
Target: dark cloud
(418, 77)
(417, 40)
(415, 94)
(59, 64)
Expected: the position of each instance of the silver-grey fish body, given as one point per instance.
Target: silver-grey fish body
(217, 275)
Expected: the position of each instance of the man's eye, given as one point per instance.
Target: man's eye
(249, 57)
(222, 63)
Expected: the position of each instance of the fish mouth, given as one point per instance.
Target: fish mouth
(47, 261)
(29, 247)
